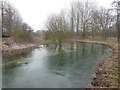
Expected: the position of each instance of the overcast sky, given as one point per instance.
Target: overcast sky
(35, 12)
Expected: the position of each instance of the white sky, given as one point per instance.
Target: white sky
(35, 12)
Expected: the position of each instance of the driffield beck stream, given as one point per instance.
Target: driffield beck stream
(73, 66)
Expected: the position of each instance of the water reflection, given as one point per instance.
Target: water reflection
(70, 67)
(12, 60)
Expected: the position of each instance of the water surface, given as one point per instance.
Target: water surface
(71, 67)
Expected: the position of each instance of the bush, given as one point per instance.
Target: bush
(22, 36)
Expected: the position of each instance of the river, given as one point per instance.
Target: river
(46, 67)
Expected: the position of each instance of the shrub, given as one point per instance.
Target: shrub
(22, 36)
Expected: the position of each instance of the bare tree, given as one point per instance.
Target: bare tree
(117, 10)
(72, 17)
(1, 17)
(13, 25)
(8, 14)
(95, 28)
(105, 21)
(83, 14)
(57, 28)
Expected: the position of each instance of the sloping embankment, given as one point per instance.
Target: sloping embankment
(8, 45)
(107, 72)
(17, 47)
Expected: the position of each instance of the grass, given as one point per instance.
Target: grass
(47, 42)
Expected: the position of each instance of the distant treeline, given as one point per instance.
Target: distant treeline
(82, 20)
(13, 25)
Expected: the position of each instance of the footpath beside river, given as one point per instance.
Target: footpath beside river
(107, 71)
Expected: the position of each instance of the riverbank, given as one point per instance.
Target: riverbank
(8, 46)
(106, 73)
(17, 46)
